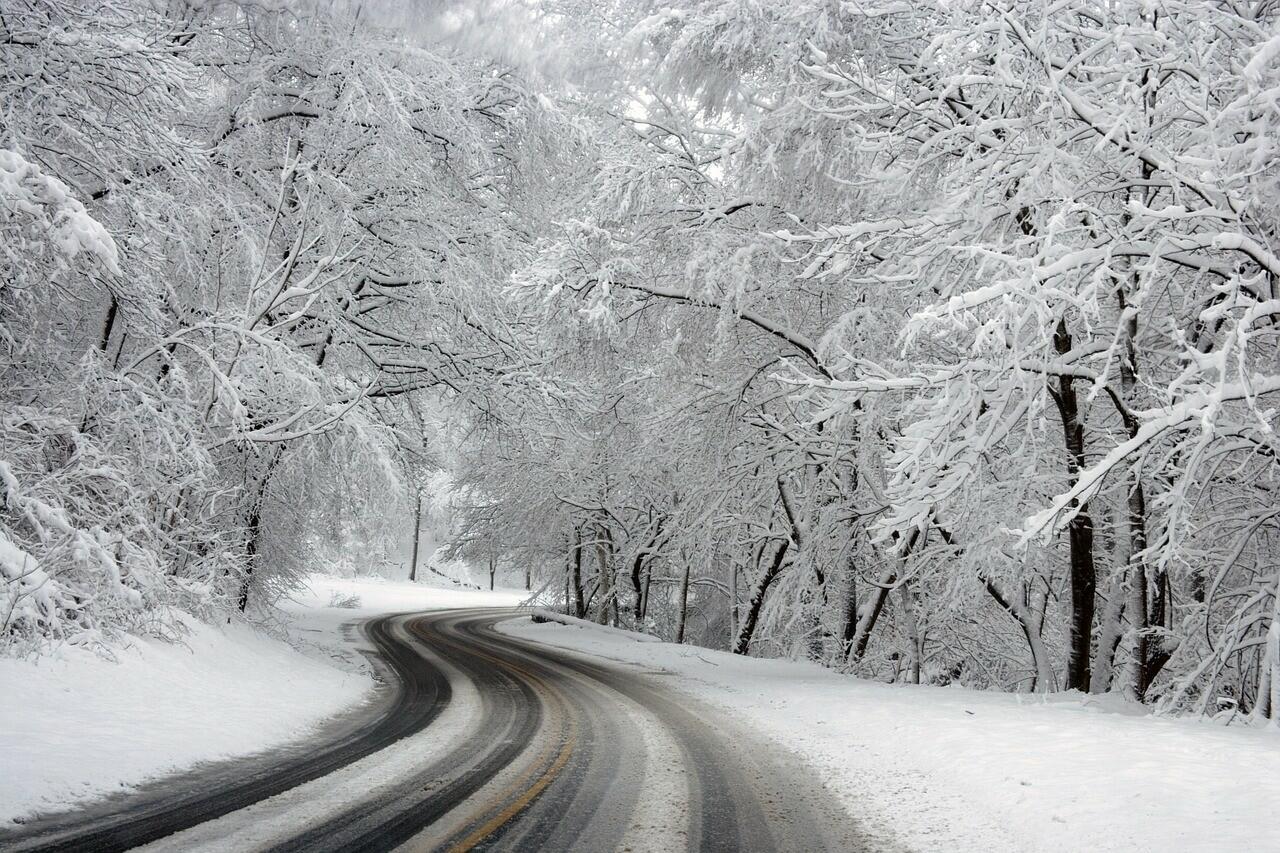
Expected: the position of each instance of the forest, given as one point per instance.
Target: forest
(935, 341)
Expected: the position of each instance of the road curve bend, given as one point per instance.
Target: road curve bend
(487, 742)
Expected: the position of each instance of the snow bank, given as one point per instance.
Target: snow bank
(75, 726)
(955, 769)
(541, 614)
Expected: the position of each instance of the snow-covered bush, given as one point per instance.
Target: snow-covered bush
(91, 464)
(344, 601)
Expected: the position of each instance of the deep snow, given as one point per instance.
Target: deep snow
(955, 769)
(75, 725)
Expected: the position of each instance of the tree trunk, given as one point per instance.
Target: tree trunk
(609, 599)
(417, 532)
(817, 629)
(868, 614)
(914, 634)
(1044, 678)
(637, 590)
(856, 532)
(253, 523)
(851, 606)
(1148, 660)
(743, 643)
(109, 324)
(644, 597)
(733, 600)
(1267, 706)
(684, 603)
(579, 606)
(1083, 578)
(639, 578)
(1112, 629)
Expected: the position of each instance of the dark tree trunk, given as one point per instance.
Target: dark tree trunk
(864, 618)
(637, 590)
(818, 631)
(579, 606)
(752, 616)
(851, 606)
(253, 523)
(1146, 610)
(867, 620)
(109, 324)
(1157, 654)
(1083, 576)
(1151, 657)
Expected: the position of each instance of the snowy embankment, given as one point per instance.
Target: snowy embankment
(76, 726)
(937, 768)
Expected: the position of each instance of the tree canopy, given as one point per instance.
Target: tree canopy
(933, 341)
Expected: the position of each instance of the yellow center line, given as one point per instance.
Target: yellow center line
(548, 776)
(485, 830)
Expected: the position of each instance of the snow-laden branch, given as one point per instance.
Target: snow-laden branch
(1198, 408)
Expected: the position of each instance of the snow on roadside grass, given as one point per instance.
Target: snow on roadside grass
(75, 726)
(954, 769)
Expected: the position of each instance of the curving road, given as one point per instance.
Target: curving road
(485, 742)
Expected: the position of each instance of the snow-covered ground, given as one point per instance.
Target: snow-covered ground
(378, 595)
(75, 726)
(928, 768)
(955, 769)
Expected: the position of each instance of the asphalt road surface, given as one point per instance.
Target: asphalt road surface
(482, 741)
